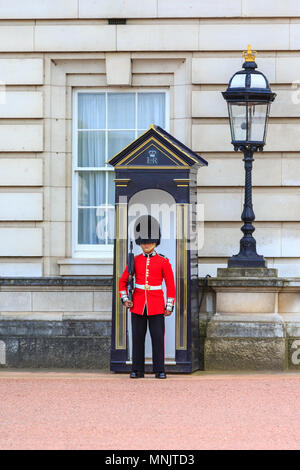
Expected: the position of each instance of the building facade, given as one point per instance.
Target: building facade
(79, 80)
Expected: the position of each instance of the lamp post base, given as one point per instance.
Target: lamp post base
(238, 261)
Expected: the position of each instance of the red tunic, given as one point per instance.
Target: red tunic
(149, 269)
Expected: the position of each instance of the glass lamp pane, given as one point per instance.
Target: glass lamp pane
(238, 121)
(238, 81)
(258, 81)
(257, 119)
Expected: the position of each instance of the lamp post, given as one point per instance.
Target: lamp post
(248, 98)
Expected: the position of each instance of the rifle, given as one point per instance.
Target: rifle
(131, 271)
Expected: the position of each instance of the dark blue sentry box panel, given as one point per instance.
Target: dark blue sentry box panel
(156, 160)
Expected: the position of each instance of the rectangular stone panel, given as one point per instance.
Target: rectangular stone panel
(198, 8)
(16, 241)
(117, 9)
(288, 70)
(62, 301)
(21, 138)
(290, 240)
(208, 70)
(21, 206)
(221, 204)
(21, 172)
(265, 8)
(70, 37)
(120, 62)
(221, 240)
(234, 37)
(216, 137)
(21, 269)
(21, 104)
(229, 171)
(157, 37)
(245, 302)
(276, 204)
(17, 38)
(16, 301)
(29, 9)
(289, 302)
(21, 71)
(210, 103)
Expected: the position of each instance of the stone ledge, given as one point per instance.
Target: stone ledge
(273, 282)
(86, 266)
(63, 328)
(247, 272)
(244, 330)
(57, 281)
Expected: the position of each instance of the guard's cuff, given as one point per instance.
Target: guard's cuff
(170, 308)
(124, 296)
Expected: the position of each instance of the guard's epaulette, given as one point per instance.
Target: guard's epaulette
(162, 255)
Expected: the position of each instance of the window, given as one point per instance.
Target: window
(103, 124)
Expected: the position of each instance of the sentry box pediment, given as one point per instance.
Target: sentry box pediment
(156, 149)
(157, 169)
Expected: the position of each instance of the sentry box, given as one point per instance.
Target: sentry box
(157, 175)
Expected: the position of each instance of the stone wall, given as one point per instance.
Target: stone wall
(255, 325)
(55, 322)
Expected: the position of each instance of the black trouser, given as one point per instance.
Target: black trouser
(157, 333)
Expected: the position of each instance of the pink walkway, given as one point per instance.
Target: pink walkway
(82, 410)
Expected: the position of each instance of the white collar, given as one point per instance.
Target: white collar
(150, 254)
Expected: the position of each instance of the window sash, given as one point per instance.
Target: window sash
(105, 249)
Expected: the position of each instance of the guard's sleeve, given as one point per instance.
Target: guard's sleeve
(123, 283)
(170, 284)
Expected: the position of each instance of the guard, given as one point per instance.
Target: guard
(148, 304)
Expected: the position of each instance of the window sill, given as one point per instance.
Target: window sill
(85, 266)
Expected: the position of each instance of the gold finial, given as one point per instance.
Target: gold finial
(249, 55)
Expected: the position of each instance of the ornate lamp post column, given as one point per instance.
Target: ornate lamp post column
(249, 98)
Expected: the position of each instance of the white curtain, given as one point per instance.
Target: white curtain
(91, 153)
(106, 124)
(151, 109)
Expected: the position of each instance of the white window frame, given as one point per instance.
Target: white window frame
(94, 251)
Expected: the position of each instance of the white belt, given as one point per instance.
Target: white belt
(147, 287)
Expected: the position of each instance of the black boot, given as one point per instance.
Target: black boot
(160, 375)
(136, 375)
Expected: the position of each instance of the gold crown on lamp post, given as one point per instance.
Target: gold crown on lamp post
(249, 55)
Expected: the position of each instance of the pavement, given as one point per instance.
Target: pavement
(80, 410)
